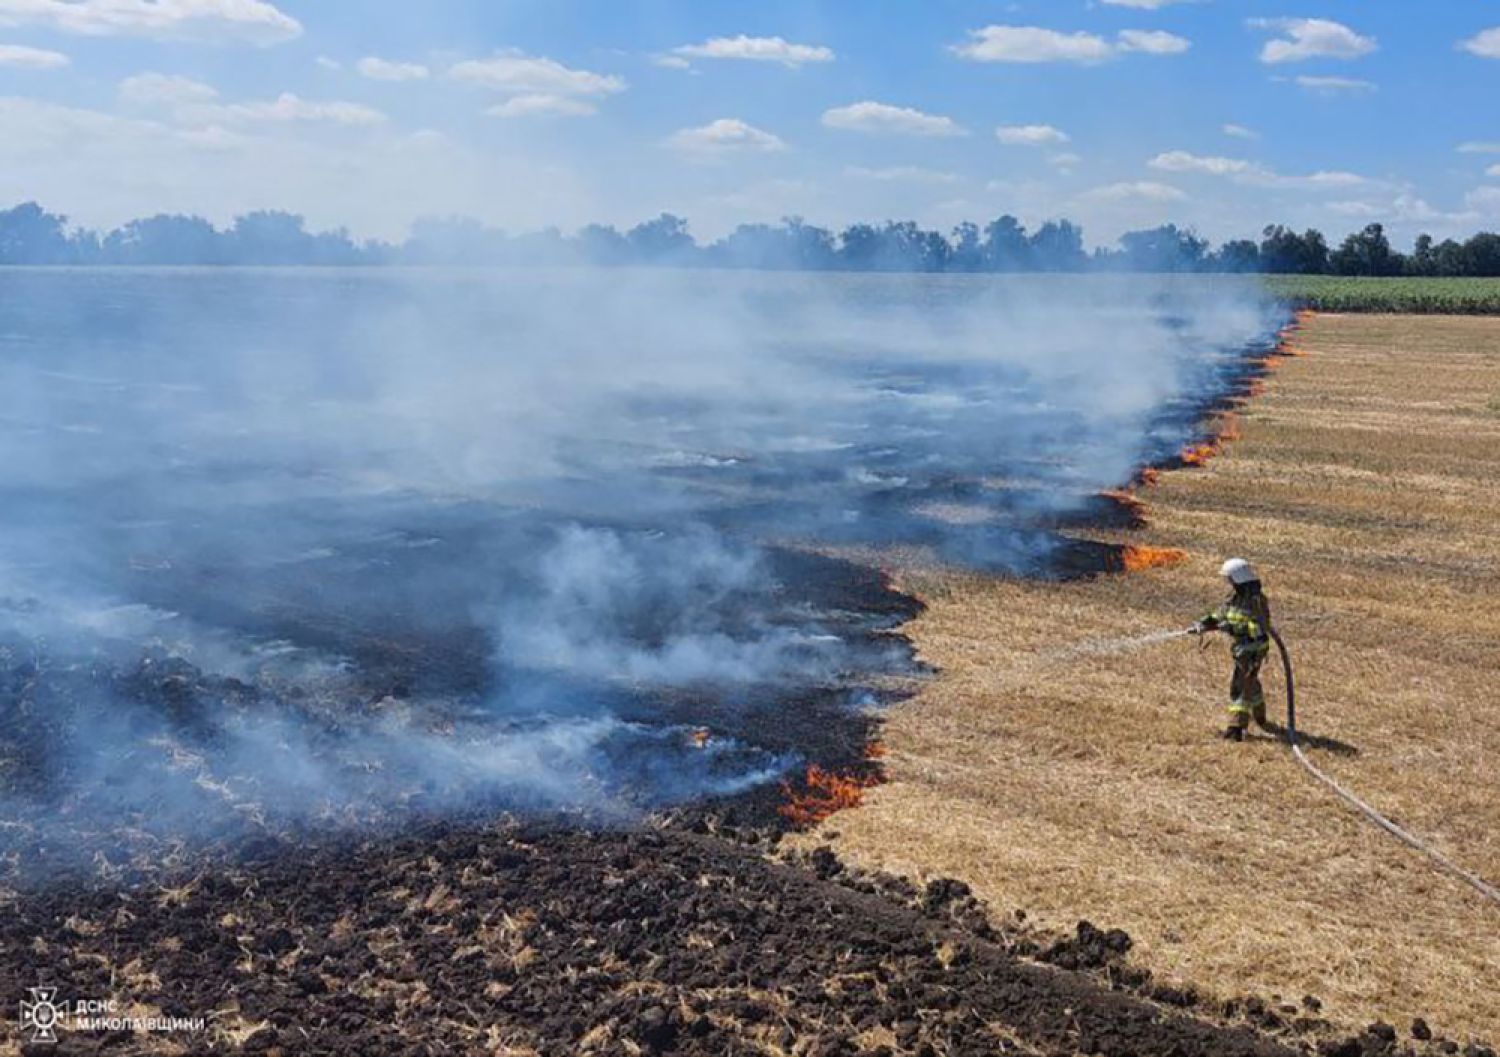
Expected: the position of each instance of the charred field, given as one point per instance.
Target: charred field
(349, 732)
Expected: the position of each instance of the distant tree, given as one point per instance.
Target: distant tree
(166, 239)
(664, 240)
(968, 248)
(1007, 247)
(813, 246)
(793, 245)
(602, 244)
(1284, 251)
(1482, 254)
(1423, 259)
(859, 247)
(1057, 246)
(1237, 255)
(1367, 252)
(1163, 249)
(31, 235)
(1450, 259)
(270, 237)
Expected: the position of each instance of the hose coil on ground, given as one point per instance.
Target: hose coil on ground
(1479, 884)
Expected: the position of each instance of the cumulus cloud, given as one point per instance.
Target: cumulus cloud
(517, 74)
(1182, 161)
(727, 135)
(902, 174)
(250, 21)
(1299, 39)
(1477, 147)
(1485, 44)
(1336, 85)
(149, 89)
(1152, 42)
(756, 49)
(19, 57)
(378, 69)
(542, 105)
(870, 116)
(1493, 171)
(1140, 191)
(1034, 44)
(1030, 135)
(1240, 132)
(1249, 172)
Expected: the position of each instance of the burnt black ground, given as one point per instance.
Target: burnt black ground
(470, 938)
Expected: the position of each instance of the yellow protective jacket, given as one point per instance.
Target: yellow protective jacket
(1247, 620)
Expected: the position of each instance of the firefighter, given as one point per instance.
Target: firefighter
(1246, 619)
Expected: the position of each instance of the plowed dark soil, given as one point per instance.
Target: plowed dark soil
(482, 939)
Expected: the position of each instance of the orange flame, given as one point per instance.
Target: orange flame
(1127, 502)
(827, 792)
(1148, 476)
(1198, 454)
(876, 750)
(1135, 558)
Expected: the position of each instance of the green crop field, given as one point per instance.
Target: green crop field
(1333, 293)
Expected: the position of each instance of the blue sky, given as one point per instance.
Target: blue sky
(1222, 114)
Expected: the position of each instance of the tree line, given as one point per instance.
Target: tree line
(30, 235)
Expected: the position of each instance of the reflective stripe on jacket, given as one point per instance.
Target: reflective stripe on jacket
(1246, 619)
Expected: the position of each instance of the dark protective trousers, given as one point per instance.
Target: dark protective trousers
(1246, 698)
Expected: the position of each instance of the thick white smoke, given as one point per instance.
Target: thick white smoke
(300, 543)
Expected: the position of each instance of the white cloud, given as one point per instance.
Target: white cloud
(1182, 161)
(1493, 171)
(543, 105)
(284, 109)
(20, 57)
(756, 49)
(1485, 44)
(252, 21)
(1485, 200)
(1240, 132)
(103, 168)
(1033, 44)
(1028, 44)
(1311, 38)
(378, 69)
(1145, 5)
(1141, 191)
(152, 88)
(328, 64)
(901, 174)
(1476, 147)
(870, 116)
(1153, 42)
(1253, 173)
(1336, 85)
(727, 135)
(532, 75)
(1030, 135)
(1065, 160)
(671, 62)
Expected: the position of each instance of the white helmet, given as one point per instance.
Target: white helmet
(1238, 571)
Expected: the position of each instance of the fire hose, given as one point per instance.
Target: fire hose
(1479, 884)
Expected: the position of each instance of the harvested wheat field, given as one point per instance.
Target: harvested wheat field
(1059, 771)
